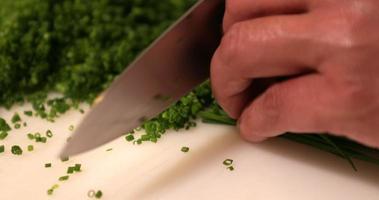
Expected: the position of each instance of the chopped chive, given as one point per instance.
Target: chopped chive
(41, 139)
(227, 162)
(129, 137)
(77, 167)
(2, 148)
(99, 194)
(17, 126)
(49, 133)
(16, 150)
(70, 170)
(51, 190)
(65, 159)
(37, 135)
(16, 118)
(91, 193)
(47, 165)
(30, 147)
(185, 149)
(64, 178)
(30, 136)
(25, 124)
(3, 135)
(28, 113)
(110, 149)
(4, 126)
(231, 168)
(81, 111)
(71, 128)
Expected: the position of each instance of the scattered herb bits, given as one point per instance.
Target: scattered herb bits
(65, 159)
(70, 170)
(91, 193)
(28, 113)
(16, 118)
(64, 178)
(49, 133)
(185, 149)
(30, 147)
(17, 126)
(228, 162)
(110, 149)
(30, 136)
(4, 126)
(75, 168)
(16, 150)
(231, 168)
(129, 137)
(51, 190)
(47, 165)
(25, 124)
(2, 148)
(3, 135)
(99, 194)
(71, 128)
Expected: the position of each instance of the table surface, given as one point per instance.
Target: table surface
(276, 169)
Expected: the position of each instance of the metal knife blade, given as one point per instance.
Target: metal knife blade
(171, 67)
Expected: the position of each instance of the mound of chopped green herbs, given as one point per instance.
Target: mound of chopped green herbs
(77, 47)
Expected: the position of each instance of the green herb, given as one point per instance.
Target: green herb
(77, 167)
(30, 136)
(28, 113)
(64, 178)
(3, 135)
(2, 148)
(51, 190)
(65, 159)
(16, 150)
(16, 118)
(129, 137)
(25, 124)
(110, 149)
(4, 127)
(81, 111)
(185, 149)
(41, 139)
(30, 147)
(47, 165)
(231, 168)
(37, 135)
(99, 194)
(71, 128)
(228, 162)
(49, 133)
(70, 170)
(91, 193)
(17, 126)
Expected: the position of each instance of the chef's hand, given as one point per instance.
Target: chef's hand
(327, 49)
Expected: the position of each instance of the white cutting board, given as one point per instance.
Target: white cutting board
(277, 169)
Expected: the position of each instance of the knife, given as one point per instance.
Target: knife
(168, 69)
